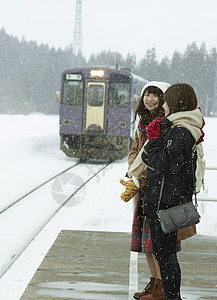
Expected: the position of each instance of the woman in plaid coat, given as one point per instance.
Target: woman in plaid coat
(149, 108)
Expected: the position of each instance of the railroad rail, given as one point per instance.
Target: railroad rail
(36, 188)
(49, 218)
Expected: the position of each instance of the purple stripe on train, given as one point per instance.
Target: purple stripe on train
(118, 121)
(70, 119)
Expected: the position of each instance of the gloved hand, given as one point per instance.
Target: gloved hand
(153, 129)
(130, 190)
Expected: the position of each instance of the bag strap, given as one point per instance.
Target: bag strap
(163, 177)
(161, 191)
(194, 181)
(193, 174)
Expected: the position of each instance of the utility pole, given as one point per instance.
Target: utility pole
(77, 41)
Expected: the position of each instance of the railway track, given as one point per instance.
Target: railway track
(48, 216)
(64, 171)
(35, 189)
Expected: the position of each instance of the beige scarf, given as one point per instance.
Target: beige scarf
(191, 120)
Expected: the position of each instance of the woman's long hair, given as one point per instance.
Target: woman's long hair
(180, 97)
(144, 114)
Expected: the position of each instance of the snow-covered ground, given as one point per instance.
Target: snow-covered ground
(29, 154)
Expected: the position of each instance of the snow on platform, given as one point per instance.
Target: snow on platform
(95, 265)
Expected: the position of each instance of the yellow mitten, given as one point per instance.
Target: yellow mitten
(130, 190)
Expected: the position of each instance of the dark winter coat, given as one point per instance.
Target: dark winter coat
(169, 156)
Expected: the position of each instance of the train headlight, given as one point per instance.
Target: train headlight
(97, 73)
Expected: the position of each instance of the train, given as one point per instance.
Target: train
(97, 108)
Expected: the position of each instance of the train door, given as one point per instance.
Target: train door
(95, 105)
(119, 106)
(71, 104)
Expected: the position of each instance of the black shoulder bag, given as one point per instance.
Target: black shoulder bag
(179, 216)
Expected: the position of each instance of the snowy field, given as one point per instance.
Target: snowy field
(29, 154)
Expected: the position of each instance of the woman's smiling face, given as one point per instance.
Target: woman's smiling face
(150, 100)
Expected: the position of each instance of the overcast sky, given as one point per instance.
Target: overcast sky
(118, 25)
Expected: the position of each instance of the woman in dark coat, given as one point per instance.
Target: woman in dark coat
(149, 107)
(170, 156)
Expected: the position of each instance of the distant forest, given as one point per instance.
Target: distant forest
(30, 73)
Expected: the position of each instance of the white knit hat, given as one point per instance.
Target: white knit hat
(163, 86)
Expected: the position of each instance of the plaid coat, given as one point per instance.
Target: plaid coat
(139, 141)
(141, 237)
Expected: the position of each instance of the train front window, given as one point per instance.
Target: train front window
(95, 95)
(73, 92)
(119, 91)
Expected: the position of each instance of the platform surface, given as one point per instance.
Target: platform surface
(95, 265)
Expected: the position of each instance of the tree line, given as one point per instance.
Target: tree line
(30, 73)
